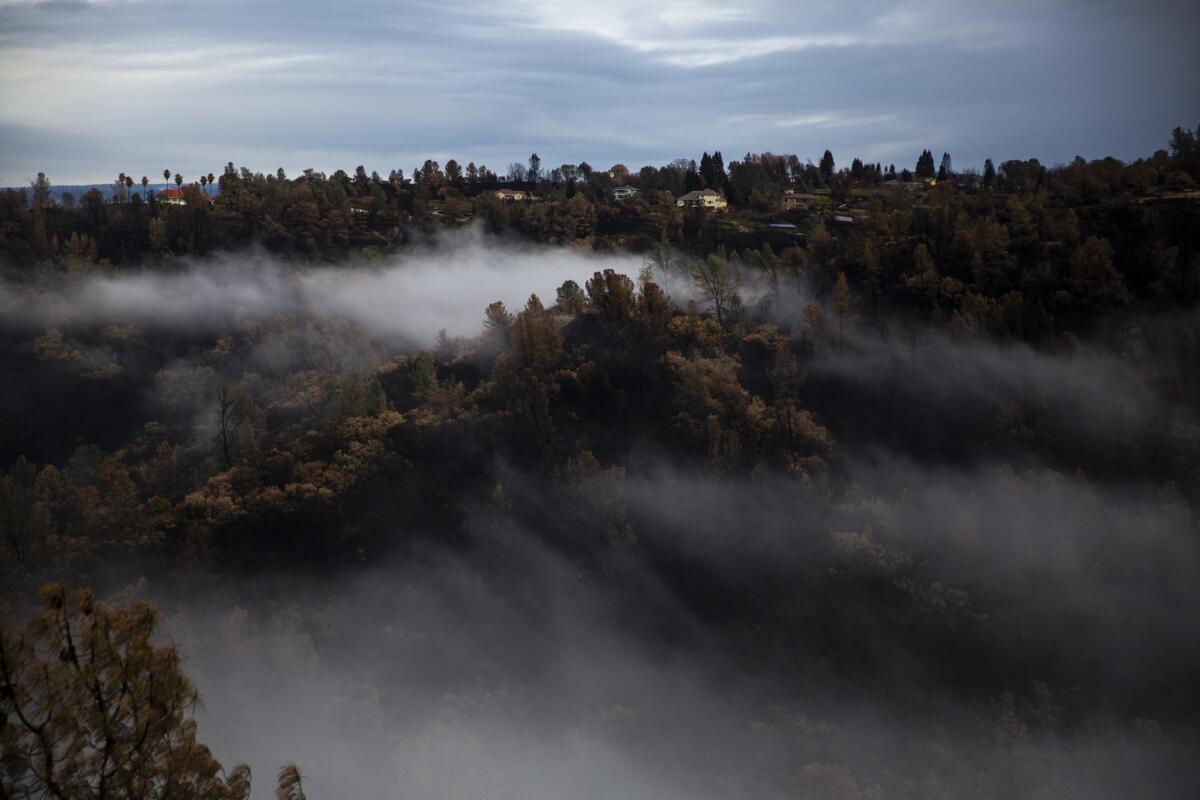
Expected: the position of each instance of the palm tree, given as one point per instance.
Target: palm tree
(120, 186)
(145, 192)
(211, 180)
(166, 176)
(204, 183)
(290, 783)
(178, 180)
(129, 186)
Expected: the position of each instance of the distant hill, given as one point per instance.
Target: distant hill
(80, 189)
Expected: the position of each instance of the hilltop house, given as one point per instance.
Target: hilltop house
(171, 197)
(704, 198)
(178, 196)
(510, 195)
(625, 192)
(793, 199)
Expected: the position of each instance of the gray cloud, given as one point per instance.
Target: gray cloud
(91, 89)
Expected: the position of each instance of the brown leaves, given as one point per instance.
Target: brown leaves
(94, 709)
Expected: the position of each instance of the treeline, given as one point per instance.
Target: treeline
(1018, 245)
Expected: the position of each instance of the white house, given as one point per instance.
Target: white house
(171, 197)
(704, 198)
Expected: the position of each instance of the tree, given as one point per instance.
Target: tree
(1012, 735)
(719, 282)
(537, 343)
(535, 168)
(570, 297)
(178, 179)
(41, 199)
(1093, 276)
(611, 294)
(1184, 143)
(827, 165)
(93, 710)
(235, 408)
(498, 322)
(989, 173)
(167, 175)
(925, 165)
(160, 240)
(145, 183)
(946, 169)
(17, 502)
(843, 304)
(289, 783)
(874, 276)
(454, 173)
(822, 257)
(707, 172)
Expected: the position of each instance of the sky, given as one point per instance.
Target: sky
(91, 88)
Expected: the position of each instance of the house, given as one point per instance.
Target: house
(704, 198)
(172, 197)
(793, 199)
(510, 195)
(178, 197)
(625, 192)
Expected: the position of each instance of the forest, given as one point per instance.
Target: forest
(360, 486)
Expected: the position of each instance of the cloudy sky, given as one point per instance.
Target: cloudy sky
(90, 89)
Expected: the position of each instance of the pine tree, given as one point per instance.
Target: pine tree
(946, 169)
(843, 304)
(93, 707)
(827, 165)
(925, 168)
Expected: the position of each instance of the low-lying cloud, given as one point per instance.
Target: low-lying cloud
(443, 285)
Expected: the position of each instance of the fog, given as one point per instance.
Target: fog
(656, 631)
(513, 671)
(442, 284)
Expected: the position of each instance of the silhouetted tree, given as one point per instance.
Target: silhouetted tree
(925, 167)
(827, 165)
(93, 709)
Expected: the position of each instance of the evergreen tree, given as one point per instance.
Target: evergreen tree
(92, 707)
(925, 168)
(827, 165)
(946, 169)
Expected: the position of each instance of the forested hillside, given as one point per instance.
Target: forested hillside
(897, 501)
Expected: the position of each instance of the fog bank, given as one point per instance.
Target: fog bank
(444, 284)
